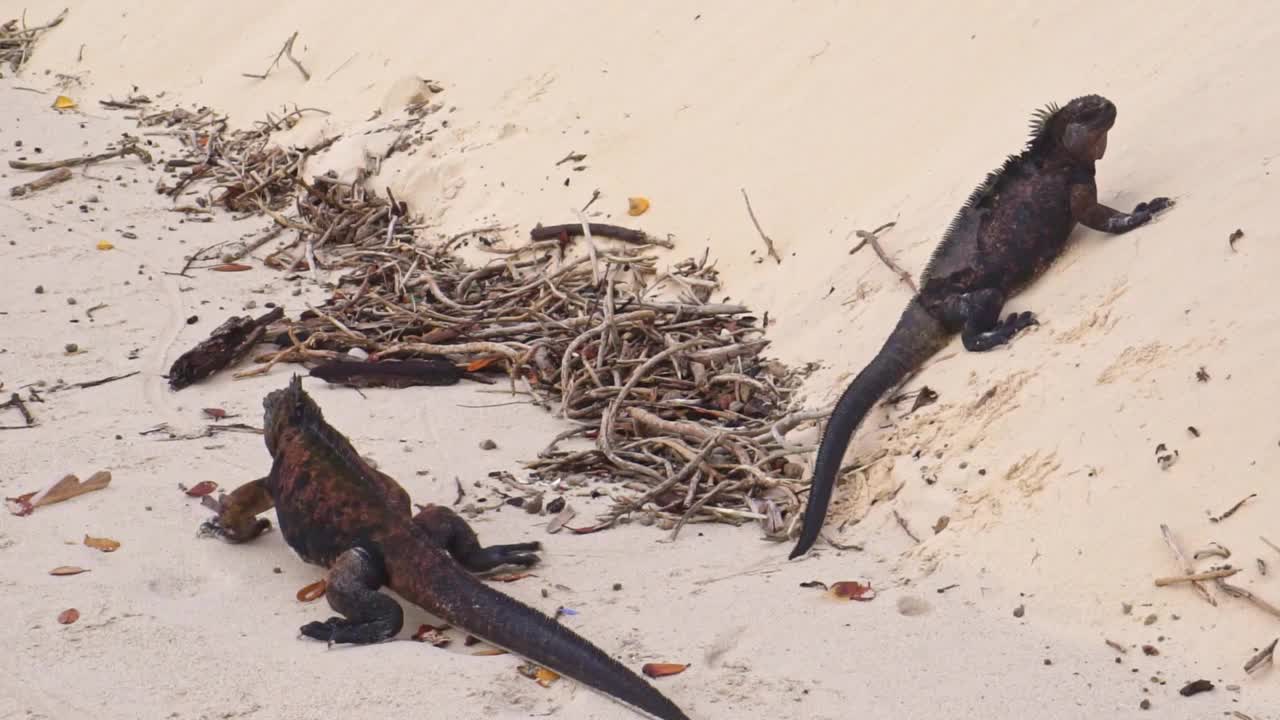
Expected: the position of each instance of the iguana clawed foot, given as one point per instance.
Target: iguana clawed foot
(1019, 321)
(213, 527)
(1151, 207)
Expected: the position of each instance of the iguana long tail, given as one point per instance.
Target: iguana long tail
(917, 336)
(451, 593)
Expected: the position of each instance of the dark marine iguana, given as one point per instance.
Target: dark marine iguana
(337, 511)
(1013, 226)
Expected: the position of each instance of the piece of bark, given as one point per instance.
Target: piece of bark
(225, 346)
(47, 180)
(389, 373)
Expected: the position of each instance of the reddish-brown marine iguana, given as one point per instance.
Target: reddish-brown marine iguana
(337, 511)
(1014, 225)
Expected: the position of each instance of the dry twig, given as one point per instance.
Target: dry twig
(1184, 564)
(768, 241)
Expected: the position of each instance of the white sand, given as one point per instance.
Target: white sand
(834, 118)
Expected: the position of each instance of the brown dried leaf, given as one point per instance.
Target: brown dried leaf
(200, 489)
(231, 267)
(314, 591)
(657, 670)
(432, 635)
(490, 651)
(215, 413)
(64, 489)
(103, 544)
(67, 570)
(510, 577)
(852, 590)
(68, 616)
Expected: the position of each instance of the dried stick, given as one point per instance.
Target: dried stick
(1266, 654)
(616, 232)
(873, 239)
(768, 241)
(1184, 564)
(1195, 577)
(1239, 592)
(287, 50)
(128, 149)
(902, 522)
(41, 183)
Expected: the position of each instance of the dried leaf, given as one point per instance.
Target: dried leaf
(482, 363)
(106, 245)
(64, 489)
(637, 206)
(545, 677)
(200, 489)
(103, 544)
(851, 590)
(215, 413)
(62, 102)
(68, 616)
(490, 651)
(67, 570)
(231, 267)
(657, 670)
(560, 519)
(432, 635)
(313, 591)
(510, 577)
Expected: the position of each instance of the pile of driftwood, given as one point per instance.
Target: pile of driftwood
(667, 392)
(17, 40)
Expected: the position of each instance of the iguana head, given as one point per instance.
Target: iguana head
(281, 408)
(1080, 127)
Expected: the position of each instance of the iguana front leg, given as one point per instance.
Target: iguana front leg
(976, 315)
(451, 533)
(1096, 216)
(238, 519)
(369, 616)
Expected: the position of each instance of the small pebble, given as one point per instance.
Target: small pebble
(488, 445)
(358, 354)
(617, 587)
(39, 289)
(72, 348)
(556, 505)
(193, 319)
(1047, 661)
(1196, 687)
(71, 301)
(276, 570)
(1019, 611)
(1145, 704)
(1150, 619)
(1150, 650)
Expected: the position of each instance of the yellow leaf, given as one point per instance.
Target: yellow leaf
(105, 245)
(62, 102)
(637, 206)
(103, 544)
(545, 677)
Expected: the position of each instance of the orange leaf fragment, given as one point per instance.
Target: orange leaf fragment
(314, 591)
(637, 205)
(851, 590)
(200, 489)
(68, 616)
(67, 570)
(545, 677)
(231, 267)
(482, 363)
(103, 544)
(490, 651)
(657, 670)
(215, 413)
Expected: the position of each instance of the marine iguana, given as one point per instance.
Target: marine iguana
(1013, 226)
(337, 511)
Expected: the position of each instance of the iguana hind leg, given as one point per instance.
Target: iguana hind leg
(453, 534)
(977, 316)
(368, 615)
(238, 519)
